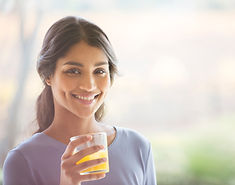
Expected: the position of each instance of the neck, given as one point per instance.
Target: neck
(66, 125)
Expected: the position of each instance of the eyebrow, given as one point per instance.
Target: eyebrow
(81, 65)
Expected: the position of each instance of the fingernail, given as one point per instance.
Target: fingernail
(101, 147)
(103, 175)
(89, 137)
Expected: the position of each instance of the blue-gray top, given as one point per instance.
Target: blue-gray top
(37, 161)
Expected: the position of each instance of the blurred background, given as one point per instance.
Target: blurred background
(176, 86)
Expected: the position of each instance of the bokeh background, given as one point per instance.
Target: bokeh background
(176, 86)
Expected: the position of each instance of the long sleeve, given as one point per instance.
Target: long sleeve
(16, 170)
(150, 172)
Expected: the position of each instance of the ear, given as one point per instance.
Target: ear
(48, 81)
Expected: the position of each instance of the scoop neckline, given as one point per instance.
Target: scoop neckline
(109, 147)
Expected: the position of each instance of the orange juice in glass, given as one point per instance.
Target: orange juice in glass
(99, 138)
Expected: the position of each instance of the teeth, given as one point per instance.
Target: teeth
(84, 98)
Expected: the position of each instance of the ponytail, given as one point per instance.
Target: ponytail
(99, 114)
(45, 109)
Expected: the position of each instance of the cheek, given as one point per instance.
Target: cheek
(61, 89)
(105, 84)
(64, 83)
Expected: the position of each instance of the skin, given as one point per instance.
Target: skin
(83, 71)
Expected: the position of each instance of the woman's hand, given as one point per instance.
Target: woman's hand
(70, 172)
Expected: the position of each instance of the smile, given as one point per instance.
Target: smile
(85, 99)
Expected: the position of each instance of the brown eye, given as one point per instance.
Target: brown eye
(100, 71)
(73, 71)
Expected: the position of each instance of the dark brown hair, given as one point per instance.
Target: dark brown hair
(58, 40)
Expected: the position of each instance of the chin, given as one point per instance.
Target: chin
(85, 112)
(84, 115)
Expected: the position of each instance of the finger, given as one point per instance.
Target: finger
(87, 151)
(91, 177)
(89, 164)
(73, 144)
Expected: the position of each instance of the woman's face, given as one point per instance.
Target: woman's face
(81, 80)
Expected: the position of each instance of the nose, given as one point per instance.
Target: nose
(87, 83)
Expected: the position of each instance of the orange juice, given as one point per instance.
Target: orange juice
(99, 138)
(100, 168)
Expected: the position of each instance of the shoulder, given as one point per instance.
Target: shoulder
(131, 134)
(15, 167)
(37, 145)
(30, 159)
(17, 154)
(14, 156)
(40, 143)
(133, 138)
(134, 145)
(29, 144)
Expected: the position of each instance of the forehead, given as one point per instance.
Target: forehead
(85, 54)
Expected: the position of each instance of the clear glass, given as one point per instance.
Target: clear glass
(99, 138)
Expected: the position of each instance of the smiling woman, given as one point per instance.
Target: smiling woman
(80, 86)
(77, 67)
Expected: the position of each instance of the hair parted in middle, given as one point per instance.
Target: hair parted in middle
(60, 37)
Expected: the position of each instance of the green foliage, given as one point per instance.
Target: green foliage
(203, 156)
(1, 178)
(208, 161)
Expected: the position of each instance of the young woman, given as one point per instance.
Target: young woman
(77, 67)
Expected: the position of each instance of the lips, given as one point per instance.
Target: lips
(86, 99)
